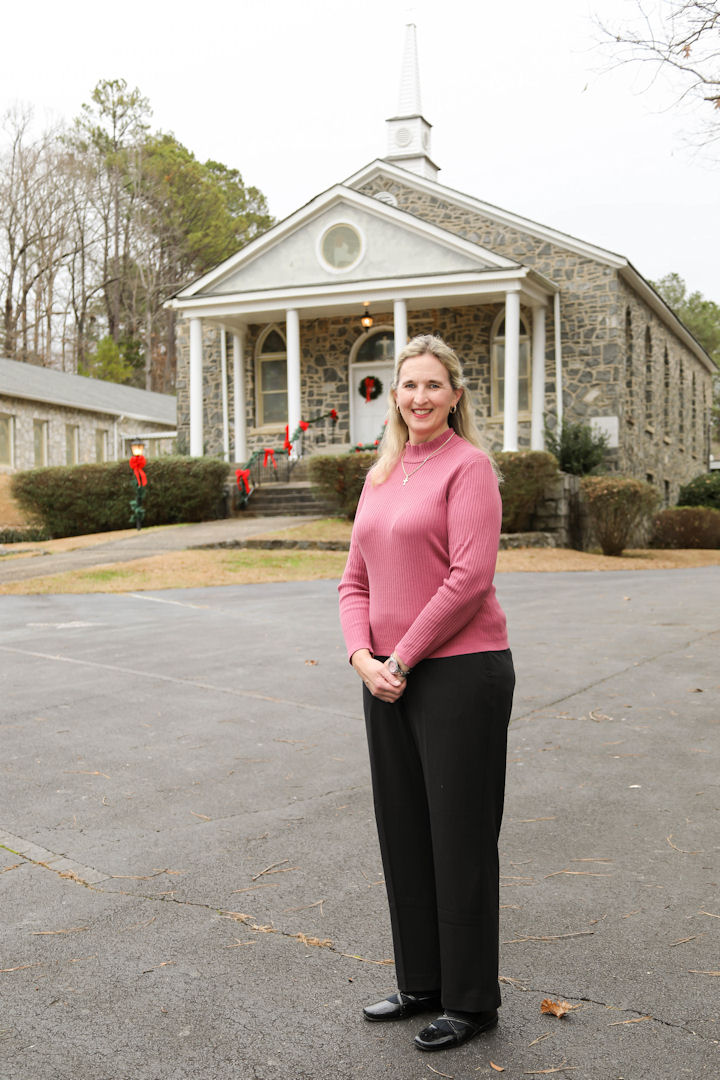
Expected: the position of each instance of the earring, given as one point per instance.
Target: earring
(454, 409)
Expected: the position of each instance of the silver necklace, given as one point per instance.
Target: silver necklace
(418, 467)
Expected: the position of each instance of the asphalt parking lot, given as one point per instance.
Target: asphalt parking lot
(190, 880)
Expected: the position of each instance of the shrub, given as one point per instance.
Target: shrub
(78, 499)
(617, 505)
(341, 477)
(578, 449)
(525, 475)
(704, 490)
(687, 527)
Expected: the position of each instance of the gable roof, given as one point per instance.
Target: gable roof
(238, 272)
(33, 383)
(625, 268)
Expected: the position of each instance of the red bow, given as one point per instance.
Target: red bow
(333, 414)
(287, 445)
(269, 453)
(137, 464)
(304, 425)
(369, 387)
(242, 476)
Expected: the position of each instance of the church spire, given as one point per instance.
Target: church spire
(409, 131)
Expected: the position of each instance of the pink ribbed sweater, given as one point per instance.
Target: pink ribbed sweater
(419, 576)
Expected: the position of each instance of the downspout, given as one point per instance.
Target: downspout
(558, 361)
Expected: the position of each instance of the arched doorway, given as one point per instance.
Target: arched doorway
(372, 362)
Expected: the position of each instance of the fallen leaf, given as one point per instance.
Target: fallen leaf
(311, 663)
(497, 1068)
(556, 1008)
(694, 971)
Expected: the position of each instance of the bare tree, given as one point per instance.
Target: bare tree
(682, 39)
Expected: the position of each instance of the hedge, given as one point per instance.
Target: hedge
(704, 490)
(524, 476)
(578, 449)
(77, 499)
(618, 506)
(340, 478)
(687, 527)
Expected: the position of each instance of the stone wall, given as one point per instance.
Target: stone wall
(58, 418)
(664, 401)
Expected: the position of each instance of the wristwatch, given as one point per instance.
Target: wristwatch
(395, 669)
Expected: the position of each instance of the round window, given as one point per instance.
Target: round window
(341, 247)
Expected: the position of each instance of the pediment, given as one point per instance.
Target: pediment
(345, 236)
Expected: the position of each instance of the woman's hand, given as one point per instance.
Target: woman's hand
(376, 676)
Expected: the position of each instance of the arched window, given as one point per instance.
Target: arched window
(648, 377)
(271, 377)
(379, 345)
(681, 402)
(666, 393)
(629, 385)
(497, 365)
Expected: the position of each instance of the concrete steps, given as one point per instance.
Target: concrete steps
(295, 499)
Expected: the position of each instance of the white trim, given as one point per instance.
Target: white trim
(239, 402)
(461, 287)
(340, 196)
(320, 241)
(558, 363)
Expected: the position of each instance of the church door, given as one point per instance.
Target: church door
(370, 378)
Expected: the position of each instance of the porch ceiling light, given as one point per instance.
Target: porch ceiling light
(367, 319)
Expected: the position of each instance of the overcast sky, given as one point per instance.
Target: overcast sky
(295, 94)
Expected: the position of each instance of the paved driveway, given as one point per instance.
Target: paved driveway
(191, 886)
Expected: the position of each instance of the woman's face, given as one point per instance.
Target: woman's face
(425, 397)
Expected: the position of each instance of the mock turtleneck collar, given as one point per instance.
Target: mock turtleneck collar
(421, 450)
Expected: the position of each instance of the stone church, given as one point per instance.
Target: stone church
(307, 318)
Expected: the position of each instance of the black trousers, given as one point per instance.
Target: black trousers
(437, 759)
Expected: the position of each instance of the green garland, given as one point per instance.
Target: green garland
(245, 494)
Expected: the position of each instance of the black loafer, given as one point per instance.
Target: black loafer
(449, 1030)
(400, 1005)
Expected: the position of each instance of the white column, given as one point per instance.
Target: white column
(224, 394)
(239, 423)
(537, 433)
(196, 388)
(400, 325)
(293, 370)
(558, 362)
(512, 370)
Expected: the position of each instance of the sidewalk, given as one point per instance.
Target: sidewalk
(190, 879)
(136, 545)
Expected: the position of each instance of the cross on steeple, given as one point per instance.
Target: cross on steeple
(409, 131)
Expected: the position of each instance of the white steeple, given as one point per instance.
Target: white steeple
(409, 131)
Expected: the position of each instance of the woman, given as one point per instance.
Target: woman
(427, 636)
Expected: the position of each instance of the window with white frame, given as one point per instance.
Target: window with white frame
(40, 442)
(497, 367)
(7, 439)
(101, 444)
(271, 378)
(72, 444)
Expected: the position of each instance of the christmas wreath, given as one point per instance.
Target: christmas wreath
(370, 388)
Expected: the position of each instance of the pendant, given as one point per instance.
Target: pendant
(405, 480)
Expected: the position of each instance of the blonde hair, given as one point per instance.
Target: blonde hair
(462, 420)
